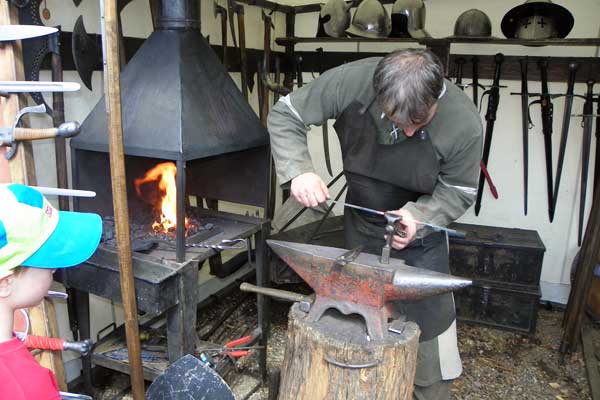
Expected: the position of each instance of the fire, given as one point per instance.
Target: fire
(165, 174)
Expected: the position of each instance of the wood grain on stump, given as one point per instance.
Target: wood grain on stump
(333, 359)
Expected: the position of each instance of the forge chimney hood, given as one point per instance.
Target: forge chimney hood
(178, 101)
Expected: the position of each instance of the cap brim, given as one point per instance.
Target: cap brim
(74, 240)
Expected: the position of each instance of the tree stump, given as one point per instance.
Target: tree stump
(333, 359)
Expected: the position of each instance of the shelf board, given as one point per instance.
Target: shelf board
(283, 41)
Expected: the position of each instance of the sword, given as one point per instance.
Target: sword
(588, 109)
(437, 228)
(525, 126)
(460, 62)
(20, 32)
(565, 129)
(324, 127)
(34, 86)
(490, 117)
(547, 110)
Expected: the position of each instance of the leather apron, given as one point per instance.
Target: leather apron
(385, 177)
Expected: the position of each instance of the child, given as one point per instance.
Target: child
(35, 239)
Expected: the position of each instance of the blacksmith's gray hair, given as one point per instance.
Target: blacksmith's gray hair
(408, 83)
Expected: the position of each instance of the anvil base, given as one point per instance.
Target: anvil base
(375, 318)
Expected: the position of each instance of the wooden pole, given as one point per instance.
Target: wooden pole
(112, 90)
(21, 169)
(588, 257)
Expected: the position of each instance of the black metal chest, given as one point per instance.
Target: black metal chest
(505, 266)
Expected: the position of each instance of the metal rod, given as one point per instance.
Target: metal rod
(438, 228)
(64, 192)
(180, 216)
(112, 76)
(525, 128)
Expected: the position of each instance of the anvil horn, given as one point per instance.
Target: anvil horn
(363, 280)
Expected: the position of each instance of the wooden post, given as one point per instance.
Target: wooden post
(112, 96)
(332, 359)
(21, 169)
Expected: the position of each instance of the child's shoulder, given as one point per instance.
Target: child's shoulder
(19, 369)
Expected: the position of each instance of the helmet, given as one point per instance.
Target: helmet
(334, 18)
(473, 23)
(370, 20)
(537, 19)
(408, 19)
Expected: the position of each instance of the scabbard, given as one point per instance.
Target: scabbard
(460, 62)
(475, 78)
(547, 110)
(490, 117)
(525, 128)
(565, 130)
(588, 109)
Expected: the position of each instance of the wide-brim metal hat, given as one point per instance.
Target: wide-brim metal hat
(563, 19)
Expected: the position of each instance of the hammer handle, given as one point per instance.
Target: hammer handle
(277, 293)
(67, 129)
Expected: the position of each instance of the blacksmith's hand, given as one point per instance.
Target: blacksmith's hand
(406, 224)
(309, 189)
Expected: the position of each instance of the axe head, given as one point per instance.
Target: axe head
(86, 52)
(189, 378)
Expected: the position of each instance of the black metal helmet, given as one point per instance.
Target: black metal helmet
(334, 18)
(370, 20)
(408, 19)
(537, 19)
(473, 23)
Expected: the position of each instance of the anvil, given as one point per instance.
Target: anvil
(362, 285)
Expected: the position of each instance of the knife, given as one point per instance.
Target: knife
(20, 32)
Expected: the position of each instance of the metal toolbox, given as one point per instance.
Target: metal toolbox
(504, 306)
(497, 254)
(505, 266)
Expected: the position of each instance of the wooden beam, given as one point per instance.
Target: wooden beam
(112, 97)
(21, 169)
(591, 362)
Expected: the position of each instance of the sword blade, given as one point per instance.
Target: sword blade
(34, 86)
(20, 32)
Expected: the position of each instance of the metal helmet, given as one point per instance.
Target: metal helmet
(334, 18)
(408, 19)
(473, 23)
(370, 20)
(537, 19)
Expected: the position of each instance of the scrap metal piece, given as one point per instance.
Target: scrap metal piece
(20, 32)
(364, 286)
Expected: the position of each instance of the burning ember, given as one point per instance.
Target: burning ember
(166, 201)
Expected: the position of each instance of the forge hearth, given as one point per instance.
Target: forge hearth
(185, 109)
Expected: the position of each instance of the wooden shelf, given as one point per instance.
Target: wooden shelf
(283, 41)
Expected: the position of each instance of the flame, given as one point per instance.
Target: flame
(165, 174)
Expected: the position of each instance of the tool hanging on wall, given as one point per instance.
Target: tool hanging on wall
(460, 63)
(11, 136)
(87, 54)
(221, 12)
(475, 78)
(459, 73)
(597, 153)
(238, 10)
(20, 32)
(490, 117)
(565, 129)
(547, 110)
(324, 127)
(525, 127)
(588, 110)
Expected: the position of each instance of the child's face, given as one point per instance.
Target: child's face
(30, 286)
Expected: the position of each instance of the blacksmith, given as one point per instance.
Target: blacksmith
(411, 144)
